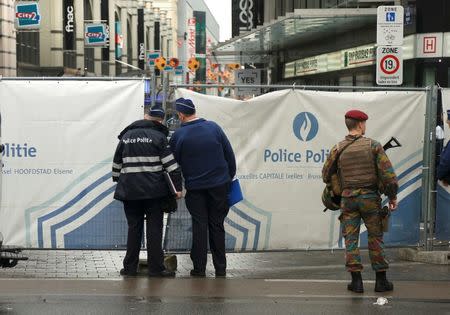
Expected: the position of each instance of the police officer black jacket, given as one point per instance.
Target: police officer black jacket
(141, 157)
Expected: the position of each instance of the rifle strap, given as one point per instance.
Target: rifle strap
(335, 162)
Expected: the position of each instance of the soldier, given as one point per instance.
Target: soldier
(364, 172)
(443, 169)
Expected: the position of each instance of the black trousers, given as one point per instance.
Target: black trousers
(135, 211)
(208, 208)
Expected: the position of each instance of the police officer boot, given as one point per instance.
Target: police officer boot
(381, 283)
(356, 285)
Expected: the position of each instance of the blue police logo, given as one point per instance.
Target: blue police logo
(305, 126)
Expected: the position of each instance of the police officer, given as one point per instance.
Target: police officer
(208, 165)
(141, 157)
(365, 173)
(443, 169)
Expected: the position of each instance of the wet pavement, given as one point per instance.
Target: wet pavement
(88, 282)
(285, 265)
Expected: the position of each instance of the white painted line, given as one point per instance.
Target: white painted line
(314, 280)
(311, 296)
(71, 278)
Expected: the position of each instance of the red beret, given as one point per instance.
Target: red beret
(356, 114)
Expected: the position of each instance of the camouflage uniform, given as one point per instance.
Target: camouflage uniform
(364, 203)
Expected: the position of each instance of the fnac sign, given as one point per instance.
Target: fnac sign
(27, 15)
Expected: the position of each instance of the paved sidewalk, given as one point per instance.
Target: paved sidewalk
(269, 265)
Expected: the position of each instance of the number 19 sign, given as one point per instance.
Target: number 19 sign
(389, 65)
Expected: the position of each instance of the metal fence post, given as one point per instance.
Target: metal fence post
(153, 88)
(432, 175)
(165, 89)
(428, 166)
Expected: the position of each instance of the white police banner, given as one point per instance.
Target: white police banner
(443, 192)
(281, 141)
(59, 140)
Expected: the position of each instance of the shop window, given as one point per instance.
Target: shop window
(346, 81)
(129, 43)
(429, 76)
(299, 4)
(70, 59)
(364, 79)
(27, 47)
(409, 71)
(329, 3)
(448, 75)
(313, 4)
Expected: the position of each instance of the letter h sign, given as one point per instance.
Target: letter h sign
(429, 45)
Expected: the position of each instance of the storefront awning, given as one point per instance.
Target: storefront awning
(297, 28)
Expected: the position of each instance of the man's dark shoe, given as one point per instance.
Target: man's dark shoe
(198, 273)
(356, 285)
(382, 284)
(221, 273)
(128, 273)
(162, 274)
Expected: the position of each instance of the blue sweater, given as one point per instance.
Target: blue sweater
(204, 153)
(443, 171)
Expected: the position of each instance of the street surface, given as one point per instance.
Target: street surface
(87, 282)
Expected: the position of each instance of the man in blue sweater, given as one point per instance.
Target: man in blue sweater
(208, 165)
(443, 170)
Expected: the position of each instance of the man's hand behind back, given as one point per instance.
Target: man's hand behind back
(393, 204)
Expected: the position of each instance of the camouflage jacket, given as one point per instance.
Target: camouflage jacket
(387, 180)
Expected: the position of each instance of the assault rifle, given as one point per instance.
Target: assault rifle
(392, 143)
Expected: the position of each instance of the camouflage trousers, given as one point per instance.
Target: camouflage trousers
(353, 209)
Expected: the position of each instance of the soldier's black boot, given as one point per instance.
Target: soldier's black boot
(382, 284)
(356, 285)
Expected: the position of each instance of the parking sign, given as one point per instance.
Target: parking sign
(390, 25)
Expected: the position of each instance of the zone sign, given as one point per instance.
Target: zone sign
(389, 65)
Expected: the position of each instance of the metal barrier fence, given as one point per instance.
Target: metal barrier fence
(178, 233)
(178, 228)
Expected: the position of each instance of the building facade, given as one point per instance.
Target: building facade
(58, 47)
(333, 42)
(198, 31)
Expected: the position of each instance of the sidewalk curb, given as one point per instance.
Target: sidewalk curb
(434, 257)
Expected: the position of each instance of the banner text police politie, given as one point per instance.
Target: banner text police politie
(25, 150)
(287, 156)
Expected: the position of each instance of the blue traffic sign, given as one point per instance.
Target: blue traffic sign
(390, 16)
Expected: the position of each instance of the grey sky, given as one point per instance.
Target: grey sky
(221, 9)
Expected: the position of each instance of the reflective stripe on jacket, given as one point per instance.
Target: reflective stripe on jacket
(141, 157)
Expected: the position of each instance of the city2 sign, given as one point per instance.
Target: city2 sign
(96, 35)
(27, 15)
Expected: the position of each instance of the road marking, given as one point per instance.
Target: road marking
(312, 296)
(71, 278)
(314, 280)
